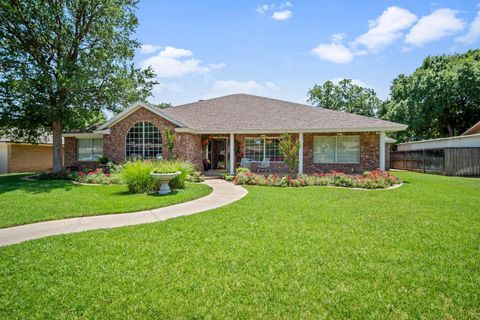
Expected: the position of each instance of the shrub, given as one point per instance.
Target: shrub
(97, 176)
(195, 177)
(136, 175)
(242, 170)
(227, 177)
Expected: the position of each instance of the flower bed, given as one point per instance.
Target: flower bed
(97, 176)
(369, 180)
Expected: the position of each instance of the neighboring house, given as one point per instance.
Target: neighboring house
(457, 156)
(227, 129)
(25, 157)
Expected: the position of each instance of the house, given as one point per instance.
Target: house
(26, 157)
(226, 129)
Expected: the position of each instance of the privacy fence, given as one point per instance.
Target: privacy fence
(448, 161)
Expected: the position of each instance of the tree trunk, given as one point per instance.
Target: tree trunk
(57, 129)
(450, 130)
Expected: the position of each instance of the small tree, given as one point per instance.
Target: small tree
(289, 148)
(170, 138)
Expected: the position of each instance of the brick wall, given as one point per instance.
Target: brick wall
(369, 154)
(114, 143)
(187, 146)
(29, 158)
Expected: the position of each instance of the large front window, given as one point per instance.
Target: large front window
(257, 149)
(336, 149)
(89, 149)
(144, 141)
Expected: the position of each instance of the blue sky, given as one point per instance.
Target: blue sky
(280, 49)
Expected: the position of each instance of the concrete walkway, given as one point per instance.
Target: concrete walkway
(223, 194)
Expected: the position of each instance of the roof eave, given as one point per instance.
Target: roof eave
(318, 130)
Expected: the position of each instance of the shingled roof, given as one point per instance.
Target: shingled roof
(242, 113)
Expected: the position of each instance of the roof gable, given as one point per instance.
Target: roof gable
(134, 107)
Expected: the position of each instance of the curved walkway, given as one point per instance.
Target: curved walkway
(223, 193)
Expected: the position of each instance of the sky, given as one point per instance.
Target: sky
(281, 49)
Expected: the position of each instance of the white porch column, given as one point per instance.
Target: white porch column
(382, 150)
(232, 154)
(300, 153)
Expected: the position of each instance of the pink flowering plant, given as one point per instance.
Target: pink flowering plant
(95, 176)
(369, 180)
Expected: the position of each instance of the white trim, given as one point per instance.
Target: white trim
(83, 135)
(134, 107)
(300, 153)
(3, 158)
(382, 150)
(281, 131)
(232, 154)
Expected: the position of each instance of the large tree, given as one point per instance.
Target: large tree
(440, 98)
(345, 96)
(64, 61)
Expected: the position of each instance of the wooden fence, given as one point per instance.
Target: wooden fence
(448, 161)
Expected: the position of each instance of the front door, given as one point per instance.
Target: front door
(218, 154)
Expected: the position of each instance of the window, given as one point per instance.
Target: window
(89, 149)
(336, 149)
(143, 141)
(256, 149)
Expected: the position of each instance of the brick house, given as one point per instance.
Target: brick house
(227, 129)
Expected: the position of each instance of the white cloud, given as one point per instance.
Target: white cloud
(282, 15)
(279, 11)
(338, 37)
(224, 87)
(333, 52)
(354, 81)
(473, 33)
(174, 62)
(385, 29)
(440, 23)
(149, 48)
(263, 8)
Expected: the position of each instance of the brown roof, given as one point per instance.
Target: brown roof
(473, 130)
(239, 113)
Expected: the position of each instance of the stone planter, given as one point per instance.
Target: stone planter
(164, 179)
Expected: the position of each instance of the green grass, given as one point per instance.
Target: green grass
(24, 201)
(279, 253)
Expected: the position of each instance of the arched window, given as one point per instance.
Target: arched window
(143, 141)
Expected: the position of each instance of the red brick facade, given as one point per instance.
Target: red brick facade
(188, 147)
(369, 154)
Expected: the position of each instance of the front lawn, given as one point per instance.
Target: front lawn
(23, 201)
(278, 253)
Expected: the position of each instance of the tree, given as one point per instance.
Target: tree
(440, 98)
(164, 105)
(345, 96)
(288, 148)
(63, 62)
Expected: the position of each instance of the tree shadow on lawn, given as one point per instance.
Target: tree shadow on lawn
(153, 194)
(16, 182)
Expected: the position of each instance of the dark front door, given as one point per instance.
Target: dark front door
(219, 154)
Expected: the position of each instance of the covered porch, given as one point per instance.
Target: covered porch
(223, 153)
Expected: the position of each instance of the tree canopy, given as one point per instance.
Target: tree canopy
(345, 96)
(440, 98)
(63, 62)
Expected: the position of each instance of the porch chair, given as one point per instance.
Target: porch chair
(264, 166)
(245, 163)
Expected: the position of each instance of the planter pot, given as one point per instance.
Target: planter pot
(164, 179)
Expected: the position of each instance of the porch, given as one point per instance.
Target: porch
(223, 153)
